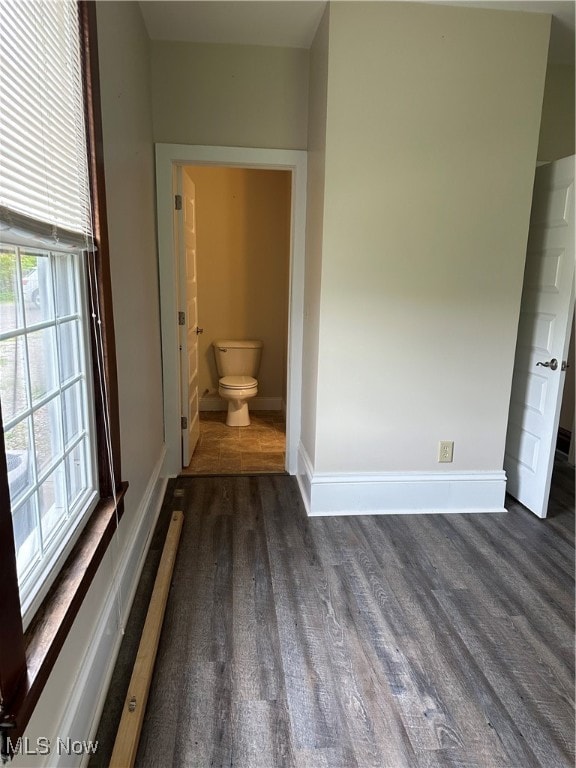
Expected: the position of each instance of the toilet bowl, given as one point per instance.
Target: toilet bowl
(237, 362)
(237, 390)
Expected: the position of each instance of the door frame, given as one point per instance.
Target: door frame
(168, 157)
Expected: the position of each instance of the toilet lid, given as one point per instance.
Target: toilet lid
(238, 382)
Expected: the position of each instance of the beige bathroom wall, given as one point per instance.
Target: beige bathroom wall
(243, 249)
(229, 95)
(431, 149)
(557, 129)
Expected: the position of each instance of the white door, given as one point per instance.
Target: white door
(188, 316)
(543, 337)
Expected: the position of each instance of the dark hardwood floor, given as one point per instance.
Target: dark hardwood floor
(426, 641)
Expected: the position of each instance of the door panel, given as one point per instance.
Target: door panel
(543, 335)
(188, 301)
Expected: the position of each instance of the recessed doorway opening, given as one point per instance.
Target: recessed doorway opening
(170, 161)
(242, 270)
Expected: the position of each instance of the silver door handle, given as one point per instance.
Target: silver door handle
(199, 330)
(552, 364)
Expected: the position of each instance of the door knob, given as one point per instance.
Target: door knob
(552, 364)
(199, 330)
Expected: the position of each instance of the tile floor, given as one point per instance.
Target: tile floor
(224, 450)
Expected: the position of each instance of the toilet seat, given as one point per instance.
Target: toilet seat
(238, 382)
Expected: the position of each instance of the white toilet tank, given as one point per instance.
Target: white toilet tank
(237, 358)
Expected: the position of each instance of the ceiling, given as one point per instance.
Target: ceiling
(293, 23)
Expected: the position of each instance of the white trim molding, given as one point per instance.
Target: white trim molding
(169, 158)
(398, 493)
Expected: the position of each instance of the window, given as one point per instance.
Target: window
(47, 406)
(44, 201)
(60, 490)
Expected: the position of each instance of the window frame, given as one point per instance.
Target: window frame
(28, 657)
(61, 541)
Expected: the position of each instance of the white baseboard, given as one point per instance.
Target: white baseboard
(304, 475)
(212, 403)
(398, 493)
(84, 707)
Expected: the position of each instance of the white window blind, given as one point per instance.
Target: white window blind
(44, 184)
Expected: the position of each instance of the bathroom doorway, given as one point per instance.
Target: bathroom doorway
(243, 222)
(170, 158)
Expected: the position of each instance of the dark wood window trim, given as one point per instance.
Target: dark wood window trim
(27, 658)
(102, 283)
(12, 649)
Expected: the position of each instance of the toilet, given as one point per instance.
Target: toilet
(237, 363)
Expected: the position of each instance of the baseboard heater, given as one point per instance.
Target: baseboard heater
(128, 736)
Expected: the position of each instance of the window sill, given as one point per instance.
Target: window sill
(50, 626)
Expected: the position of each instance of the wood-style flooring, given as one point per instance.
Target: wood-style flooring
(425, 641)
(224, 450)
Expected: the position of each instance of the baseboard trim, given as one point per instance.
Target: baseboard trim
(212, 403)
(398, 493)
(304, 475)
(86, 702)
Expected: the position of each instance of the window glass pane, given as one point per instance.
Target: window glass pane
(42, 361)
(52, 494)
(19, 460)
(49, 488)
(37, 288)
(73, 412)
(47, 435)
(65, 285)
(76, 473)
(26, 536)
(68, 349)
(13, 378)
(11, 315)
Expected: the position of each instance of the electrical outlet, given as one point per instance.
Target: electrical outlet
(445, 451)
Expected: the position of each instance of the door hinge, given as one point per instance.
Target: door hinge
(181, 318)
(178, 202)
(183, 422)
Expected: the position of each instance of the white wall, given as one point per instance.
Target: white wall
(557, 126)
(318, 85)
(129, 168)
(229, 95)
(431, 136)
(78, 681)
